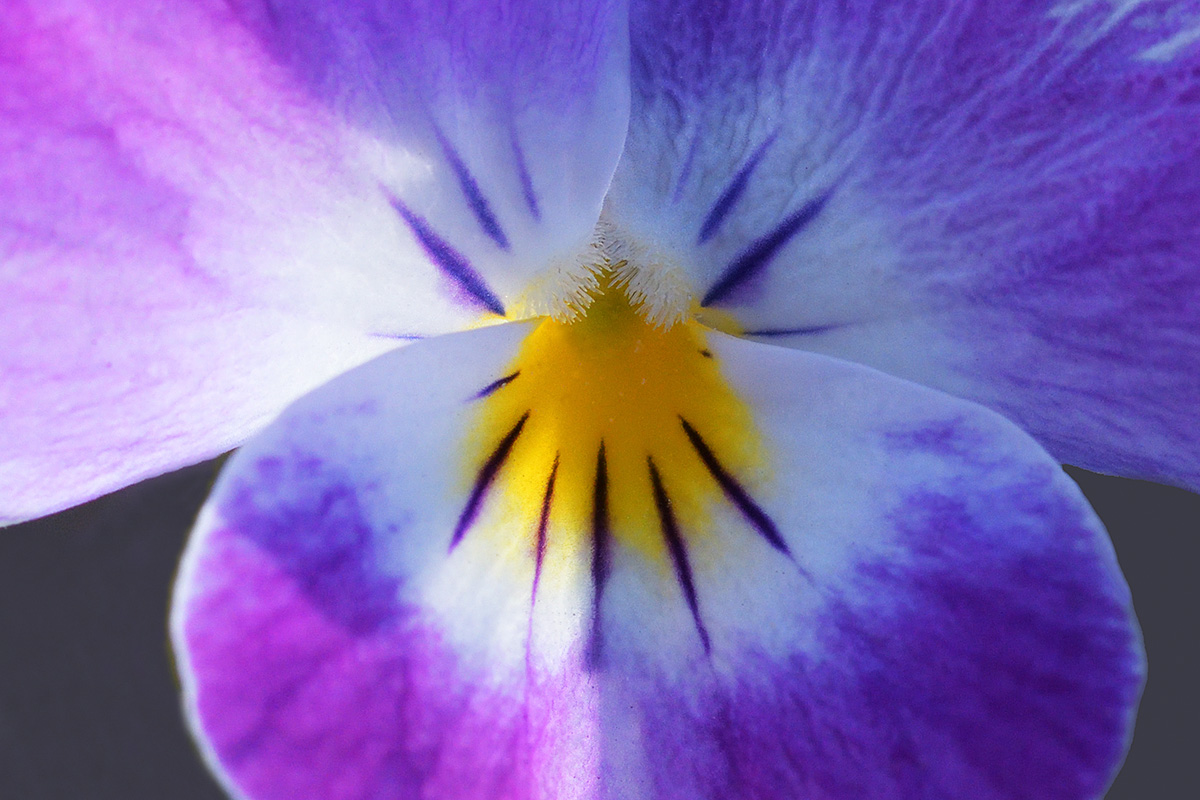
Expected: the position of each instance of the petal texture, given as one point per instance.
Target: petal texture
(192, 235)
(997, 200)
(907, 599)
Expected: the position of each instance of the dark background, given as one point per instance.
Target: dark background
(88, 705)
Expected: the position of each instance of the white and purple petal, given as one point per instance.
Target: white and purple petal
(913, 602)
(1000, 200)
(192, 235)
(516, 112)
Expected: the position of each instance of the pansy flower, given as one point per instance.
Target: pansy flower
(684, 381)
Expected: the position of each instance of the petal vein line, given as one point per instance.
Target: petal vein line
(483, 482)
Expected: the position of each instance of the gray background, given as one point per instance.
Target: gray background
(88, 707)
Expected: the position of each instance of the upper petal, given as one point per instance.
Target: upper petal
(996, 199)
(192, 234)
(905, 598)
(516, 110)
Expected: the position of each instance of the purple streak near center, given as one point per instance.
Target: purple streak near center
(449, 261)
(759, 254)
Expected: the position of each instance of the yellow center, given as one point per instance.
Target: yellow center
(612, 381)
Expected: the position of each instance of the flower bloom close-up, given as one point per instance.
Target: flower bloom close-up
(634, 398)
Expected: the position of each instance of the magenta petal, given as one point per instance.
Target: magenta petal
(936, 614)
(189, 239)
(297, 700)
(1010, 199)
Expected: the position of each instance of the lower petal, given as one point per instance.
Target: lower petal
(904, 597)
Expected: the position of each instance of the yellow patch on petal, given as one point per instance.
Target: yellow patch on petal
(611, 379)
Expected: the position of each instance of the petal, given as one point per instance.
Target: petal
(191, 238)
(997, 200)
(516, 111)
(906, 599)
(150, 313)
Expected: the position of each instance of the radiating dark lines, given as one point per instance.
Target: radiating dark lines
(543, 524)
(678, 551)
(758, 255)
(475, 199)
(601, 524)
(733, 192)
(601, 564)
(734, 491)
(453, 264)
(483, 481)
(495, 385)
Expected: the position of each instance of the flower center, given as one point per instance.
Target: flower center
(609, 428)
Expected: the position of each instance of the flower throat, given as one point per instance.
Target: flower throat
(609, 420)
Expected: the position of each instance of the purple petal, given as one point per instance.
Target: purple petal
(189, 239)
(1013, 196)
(941, 616)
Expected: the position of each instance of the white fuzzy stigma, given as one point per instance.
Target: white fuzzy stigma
(651, 278)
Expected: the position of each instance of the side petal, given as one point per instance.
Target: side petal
(191, 236)
(907, 599)
(997, 200)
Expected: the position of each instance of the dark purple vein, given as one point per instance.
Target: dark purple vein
(733, 192)
(734, 491)
(526, 180)
(811, 330)
(453, 264)
(483, 481)
(499, 383)
(601, 535)
(543, 524)
(480, 207)
(678, 551)
(754, 259)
